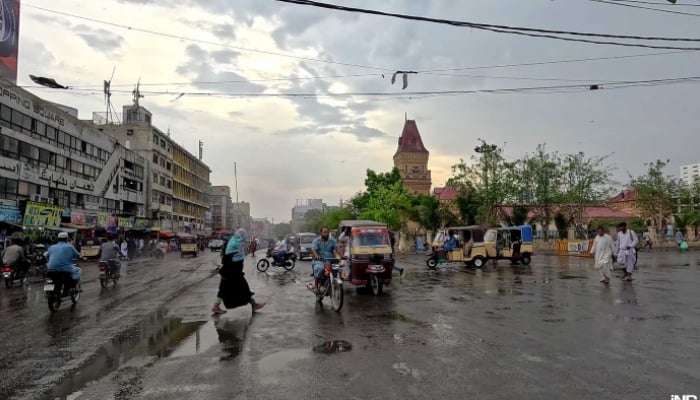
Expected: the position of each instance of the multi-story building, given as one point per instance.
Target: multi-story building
(221, 207)
(411, 159)
(690, 172)
(301, 208)
(190, 187)
(241, 215)
(177, 181)
(63, 165)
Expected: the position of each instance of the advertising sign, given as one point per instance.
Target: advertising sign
(37, 214)
(125, 222)
(77, 217)
(9, 39)
(141, 223)
(10, 214)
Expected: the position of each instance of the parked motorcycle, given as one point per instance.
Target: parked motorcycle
(60, 285)
(290, 261)
(12, 273)
(332, 284)
(109, 271)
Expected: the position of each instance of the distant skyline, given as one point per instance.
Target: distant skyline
(320, 146)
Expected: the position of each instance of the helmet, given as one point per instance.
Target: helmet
(63, 235)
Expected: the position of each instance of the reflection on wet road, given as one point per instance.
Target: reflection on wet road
(548, 331)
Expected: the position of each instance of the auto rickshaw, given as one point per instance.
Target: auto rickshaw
(514, 243)
(370, 256)
(476, 245)
(189, 245)
(470, 248)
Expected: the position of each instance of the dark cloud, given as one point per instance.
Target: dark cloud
(99, 39)
(224, 56)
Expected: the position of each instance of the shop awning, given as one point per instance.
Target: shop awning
(61, 229)
(184, 235)
(167, 234)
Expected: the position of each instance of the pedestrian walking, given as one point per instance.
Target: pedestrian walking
(233, 289)
(626, 250)
(392, 240)
(603, 251)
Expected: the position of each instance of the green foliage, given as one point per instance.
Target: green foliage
(332, 218)
(313, 221)
(282, 229)
(540, 183)
(562, 224)
(519, 216)
(492, 178)
(384, 200)
(656, 192)
(428, 212)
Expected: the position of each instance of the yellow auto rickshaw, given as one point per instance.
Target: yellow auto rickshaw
(466, 247)
(189, 245)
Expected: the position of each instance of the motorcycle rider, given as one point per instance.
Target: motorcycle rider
(61, 256)
(323, 247)
(280, 251)
(13, 256)
(109, 252)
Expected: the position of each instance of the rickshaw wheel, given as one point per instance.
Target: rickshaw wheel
(526, 259)
(478, 262)
(432, 263)
(376, 285)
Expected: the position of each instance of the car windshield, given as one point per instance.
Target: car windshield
(307, 239)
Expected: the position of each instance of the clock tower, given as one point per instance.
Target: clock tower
(411, 159)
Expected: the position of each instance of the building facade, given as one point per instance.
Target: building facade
(53, 160)
(221, 208)
(689, 173)
(177, 182)
(411, 159)
(241, 215)
(300, 209)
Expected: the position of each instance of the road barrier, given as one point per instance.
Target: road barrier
(575, 248)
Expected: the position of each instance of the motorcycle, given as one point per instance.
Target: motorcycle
(290, 260)
(109, 270)
(60, 285)
(12, 273)
(332, 285)
(157, 253)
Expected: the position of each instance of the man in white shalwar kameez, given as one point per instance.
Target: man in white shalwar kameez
(626, 250)
(603, 250)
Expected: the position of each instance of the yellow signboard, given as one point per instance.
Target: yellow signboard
(37, 214)
(125, 222)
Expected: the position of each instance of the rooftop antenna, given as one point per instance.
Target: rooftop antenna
(405, 116)
(108, 96)
(137, 93)
(201, 149)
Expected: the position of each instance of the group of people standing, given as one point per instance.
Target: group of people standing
(608, 253)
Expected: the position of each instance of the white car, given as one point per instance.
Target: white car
(216, 244)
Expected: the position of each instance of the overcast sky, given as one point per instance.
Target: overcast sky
(312, 147)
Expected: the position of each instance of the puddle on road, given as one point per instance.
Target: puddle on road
(273, 365)
(155, 337)
(333, 346)
(572, 277)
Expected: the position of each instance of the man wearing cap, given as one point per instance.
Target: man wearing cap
(61, 256)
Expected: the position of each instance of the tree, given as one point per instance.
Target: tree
(384, 200)
(282, 229)
(586, 181)
(467, 205)
(333, 218)
(562, 223)
(313, 220)
(518, 217)
(491, 177)
(428, 212)
(540, 184)
(656, 192)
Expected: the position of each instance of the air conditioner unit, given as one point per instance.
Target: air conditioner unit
(44, 200)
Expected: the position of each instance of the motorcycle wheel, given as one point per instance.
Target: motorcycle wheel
(116, 279)
(376, 285)
(54, 302)
(103, 282)
(23, 281)
(337, 295)
(263, 265)
(8, 283)
(289, 267)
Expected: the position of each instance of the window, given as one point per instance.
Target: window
(17, 119)
(162, 143)
(28, 151)
(8, 188)
(61, 162)
(162, 162)
(44, 157)
(162, 181)
(9, 146)
(76, 166)
(6, 113)
(168, 166)
(170, 184)
(155, 138)
(155, 158)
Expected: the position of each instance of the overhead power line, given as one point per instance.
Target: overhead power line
(416, 94)
(658, 4)
(625, 4)
(518, 30)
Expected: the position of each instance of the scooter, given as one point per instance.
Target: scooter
(290, 260)
(60, 285)
(109, 271)
(12, 274)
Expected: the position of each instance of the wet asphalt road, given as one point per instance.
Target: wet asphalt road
(548, 331)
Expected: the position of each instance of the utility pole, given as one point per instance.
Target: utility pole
(235, 175)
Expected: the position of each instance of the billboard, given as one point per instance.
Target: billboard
(9, 39)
